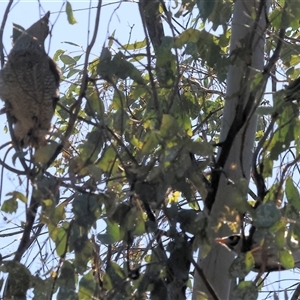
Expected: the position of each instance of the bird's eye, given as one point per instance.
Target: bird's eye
(234, 239)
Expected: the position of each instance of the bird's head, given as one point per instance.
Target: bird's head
(36, 33)
(265, 255)
(232, 242)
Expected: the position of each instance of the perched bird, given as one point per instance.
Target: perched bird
(29, 85)
(266, 258)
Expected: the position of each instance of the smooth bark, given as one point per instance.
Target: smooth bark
(246, 64)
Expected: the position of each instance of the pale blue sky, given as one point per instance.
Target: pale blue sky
(113, 17)
(122, 19)
(25, 13)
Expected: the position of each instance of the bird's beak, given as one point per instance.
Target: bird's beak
(224, 242)
(231, 242)
(221, 241)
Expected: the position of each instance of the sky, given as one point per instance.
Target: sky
(25, 13)
(114, 17)
(122, 19)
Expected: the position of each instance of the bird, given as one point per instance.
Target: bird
(266, 257)
(29, 86)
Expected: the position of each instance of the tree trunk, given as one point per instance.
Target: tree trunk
(234, 176)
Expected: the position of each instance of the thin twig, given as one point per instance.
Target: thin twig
(296, 293)
(10, 3)
(77, 105)
(75, 108)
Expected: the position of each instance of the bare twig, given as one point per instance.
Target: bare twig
(10, 3)
(296, 293)
(76, 106)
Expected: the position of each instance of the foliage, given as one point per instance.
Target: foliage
(123, 203)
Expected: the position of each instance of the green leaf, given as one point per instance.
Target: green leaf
(292, 193)
(86, 209)
(118, 100)
(276, 17)
(280, 237)
(9, 206)
(71, 43)
(151, 143)
(188, 36)
(61, 239)
(286, 259)
(107, 282)
(267, 215)
(67, 282)
(87, 286)
(205, 8)
(94, 106)
(135, 45)
(108, 161)
(18, 196)
(115, 273)
(77, 57)
(83, 253)
(123, 69)
(288, 126)
(42, 288)
(94, 171)
(104, 67)
(200, 148)
(73, 72)
(112, 234)
(70, 15)
(134, 223)
(249, 261)
(165, 65)
(59, 214)
(210, 51)
(221, 19)
(111, 39)
(242, 265)
(263, 110)
(245, 290)
(119, 213)
(57, 54)
(44, 154)
(67, 275)
(88, 154)
(67, 60)
(59, 236)
(169, 126)
(19, 279)
(186, 218)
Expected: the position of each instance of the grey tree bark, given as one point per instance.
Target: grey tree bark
(237, 138)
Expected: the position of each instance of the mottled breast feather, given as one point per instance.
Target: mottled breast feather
(29, 85)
